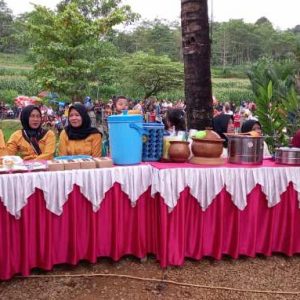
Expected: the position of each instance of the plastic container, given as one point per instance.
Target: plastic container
(126, 138)
(153, 142)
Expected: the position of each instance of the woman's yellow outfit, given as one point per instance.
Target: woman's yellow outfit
(18, 144)
(2, 144)
(88, 146)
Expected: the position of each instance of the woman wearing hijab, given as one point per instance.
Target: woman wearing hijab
(254, 125)
(296, 140)
(79, 138)
(32, 142)
(251, 125)
(223, 124)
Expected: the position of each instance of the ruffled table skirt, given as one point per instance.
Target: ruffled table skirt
(40, 238)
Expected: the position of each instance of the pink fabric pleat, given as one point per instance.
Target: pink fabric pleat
(41, 239)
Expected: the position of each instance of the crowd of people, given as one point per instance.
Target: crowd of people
(81, 127)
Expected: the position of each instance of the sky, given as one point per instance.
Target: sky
(283, 15)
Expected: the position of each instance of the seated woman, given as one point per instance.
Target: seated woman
(296, 139)
(32, 142)
(175, 122)
(79, 138)
(2, 144)
(223, 124)
(254, 125)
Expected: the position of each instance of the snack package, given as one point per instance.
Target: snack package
(56, 165)
(87, 163)
(103, 162)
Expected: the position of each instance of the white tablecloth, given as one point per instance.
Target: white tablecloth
(16, 188)
(206, 183)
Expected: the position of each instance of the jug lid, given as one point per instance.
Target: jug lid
(125, 118)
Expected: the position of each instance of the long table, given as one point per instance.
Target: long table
(173, 211)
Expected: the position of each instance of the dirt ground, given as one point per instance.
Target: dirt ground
(276, 273)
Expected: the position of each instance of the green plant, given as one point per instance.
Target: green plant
(277, 105)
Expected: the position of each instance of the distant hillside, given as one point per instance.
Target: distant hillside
(14, 61)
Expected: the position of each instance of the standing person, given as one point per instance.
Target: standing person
(227, 109)
(32, 142)
(296, 139)
(79, 137)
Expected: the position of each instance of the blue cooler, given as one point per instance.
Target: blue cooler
(126, 138)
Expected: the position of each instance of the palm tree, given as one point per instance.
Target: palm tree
(196, 56)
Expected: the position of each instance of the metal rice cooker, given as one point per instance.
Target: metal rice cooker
(287, 156)
(244, 149)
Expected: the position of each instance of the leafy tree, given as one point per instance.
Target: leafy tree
(278, 106)
(148, 75)
(92, 9)
(158, 37)
(6, 26)
(71, 54)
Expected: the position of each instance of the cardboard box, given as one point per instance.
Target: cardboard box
(87, 163)
(71, 164)
(55, 165)
(103, 162)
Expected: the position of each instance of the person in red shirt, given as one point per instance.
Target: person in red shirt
(296, 139)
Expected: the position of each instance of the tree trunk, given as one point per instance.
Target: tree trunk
(196, 56)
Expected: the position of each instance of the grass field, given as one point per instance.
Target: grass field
(14, 69)
(14, 61)
(9, 126)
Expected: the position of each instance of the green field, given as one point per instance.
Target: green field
(9, 126)
(14, 70)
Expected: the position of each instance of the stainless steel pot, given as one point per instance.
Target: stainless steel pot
(287, 156)
(245, 149)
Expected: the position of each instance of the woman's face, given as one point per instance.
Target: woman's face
(257, 128)
(35, 119)
(230, 126)
(75, 119)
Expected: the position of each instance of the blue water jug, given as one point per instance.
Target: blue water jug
(126, 138)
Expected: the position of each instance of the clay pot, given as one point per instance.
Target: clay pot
(211, 146)
(207, 148)
(179, 151)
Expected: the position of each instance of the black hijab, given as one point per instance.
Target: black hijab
(220, 124)
(248, 125)
(85, 129)
(32, 136)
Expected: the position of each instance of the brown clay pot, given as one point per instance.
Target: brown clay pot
(211, 146)
(179, 151)
(207, 148)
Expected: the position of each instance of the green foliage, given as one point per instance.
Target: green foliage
(70, 58)
(158, 37)
(278, 107)
(234, 89)
(14, 61)
(14, 72)
(8, 96)
(237, 71)
(149, 75)
(22, 85)
(9, 126)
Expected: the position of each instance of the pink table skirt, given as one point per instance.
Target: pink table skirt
(42, 239)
